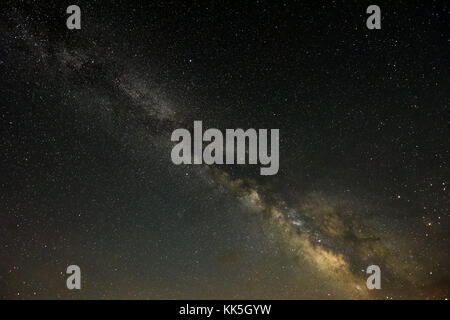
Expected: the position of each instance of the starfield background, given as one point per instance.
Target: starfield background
(86, 176)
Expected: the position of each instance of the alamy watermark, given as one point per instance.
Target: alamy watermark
(74, 280)
(237, 147)
(374, 280)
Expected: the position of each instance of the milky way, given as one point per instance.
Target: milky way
(88, 179)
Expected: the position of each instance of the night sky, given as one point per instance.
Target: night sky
(86, 176)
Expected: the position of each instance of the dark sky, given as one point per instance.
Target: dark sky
(87, 179)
